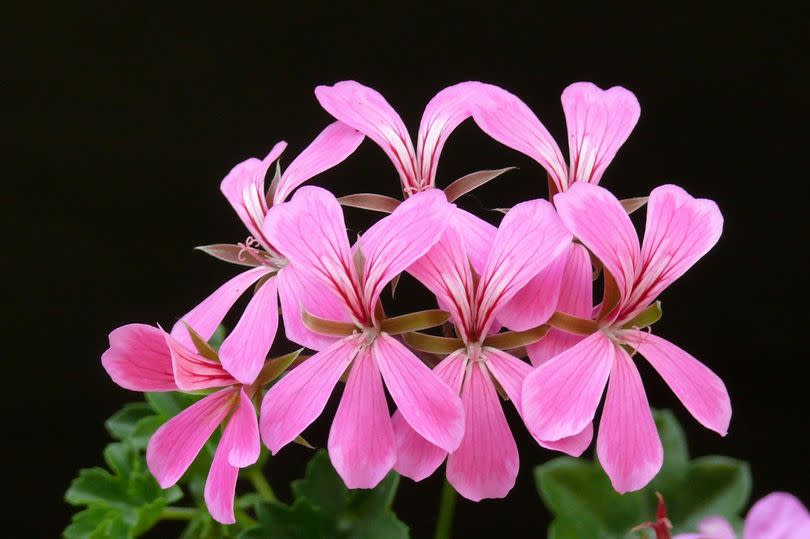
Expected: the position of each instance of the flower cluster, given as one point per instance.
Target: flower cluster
(523, 289)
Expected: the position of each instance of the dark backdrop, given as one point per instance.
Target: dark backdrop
(124, 118)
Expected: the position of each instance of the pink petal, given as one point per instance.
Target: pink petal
(400, 239)
(700, 390)
(479, 236)
(507, 119)
(445, 271)
(245, 349)
(680, 230)
(534, 304)
(192, 371)
(715, 528)
(442, 115)
(561, 395)
(485, 465)
(296, 293)
(299, 397)
(333, 145)
(530, 237)
(220, 486)
(238, 448)
(571, 445)
(242, 434)
(138, 359)
(175, 445)
(599, 121)
(628, 446)
(597, 219)
(206, 316)
(361, 440)
(778, 515)
(416, 457)
(310, 232)
(244, 188)
(367, 111)
(576, 298)
(427, 404)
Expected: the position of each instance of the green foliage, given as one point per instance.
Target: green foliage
(584, 504)
(325, 508)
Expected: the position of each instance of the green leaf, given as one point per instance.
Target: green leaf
(301, 521)
(713, 486)
(143, 431)
(121, 424)
(573, 528)
(97, 522)
(324, 507)
(95, 485)
(170, 403)
(367, 502)
(383, 526)
(202, 526)
(322, 486)
(577, 489)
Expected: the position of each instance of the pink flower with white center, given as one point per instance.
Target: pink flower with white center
(244, 350)
(778, 515)
(145, 358)
(560, 396)
(367, 111)
(311, 233)
(599, 122)
(485, 465)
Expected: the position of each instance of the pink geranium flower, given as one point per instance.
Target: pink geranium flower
(244, 350)
(145, 358)
(310, 231)
(366, 110)
(485, 465)
(778, 515)
(599, 122)
(561, 396)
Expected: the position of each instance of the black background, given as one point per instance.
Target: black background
(120, 121)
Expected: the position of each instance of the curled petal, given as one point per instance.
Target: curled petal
(367, 111)
(334, 144)
(530, 237)
(442, 115)
(310, 232)
(244, 189)
(680, 230)
(597, 219)
(138, 359)
(206, 316)
(194, 372)
(400, 239)
(507, 119)
(599, 121)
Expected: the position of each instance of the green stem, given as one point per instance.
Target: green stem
(444, 522)
(178, 513)
(261, 485)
